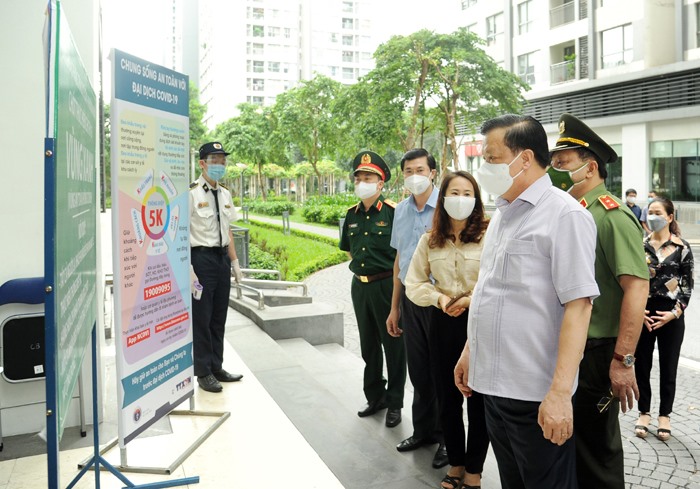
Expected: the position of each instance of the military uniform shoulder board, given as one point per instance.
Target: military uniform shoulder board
(353, 208)
(193, 185)
(390, 203)
(608, 202)
(222, 185)
(583, 202)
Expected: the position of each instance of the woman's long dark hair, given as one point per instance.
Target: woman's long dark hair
(668, 207)
(475, 225)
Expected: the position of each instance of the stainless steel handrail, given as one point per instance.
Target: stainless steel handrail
(239, 292)
(276, 284)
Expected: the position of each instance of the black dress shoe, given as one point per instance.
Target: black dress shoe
(209, 383)
(393, 417)
(440, 459)
(223, 376)
(412, 442)
(372, 407)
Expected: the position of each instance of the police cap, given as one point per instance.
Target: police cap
(573, 133)
(214, 148)
(371, 162)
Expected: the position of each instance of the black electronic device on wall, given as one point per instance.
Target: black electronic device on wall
(23, 348)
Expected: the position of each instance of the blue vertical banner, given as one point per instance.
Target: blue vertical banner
(150, 223)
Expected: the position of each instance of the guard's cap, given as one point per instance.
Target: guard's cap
(371, 162)
(214, 148)
(573, 133)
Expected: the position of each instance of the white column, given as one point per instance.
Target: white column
(636, 163)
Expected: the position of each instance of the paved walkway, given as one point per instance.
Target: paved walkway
(648, 462)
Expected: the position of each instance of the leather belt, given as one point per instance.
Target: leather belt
(596, 342)
(218, 250)
(365, 279)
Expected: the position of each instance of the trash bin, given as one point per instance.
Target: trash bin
(241, 240)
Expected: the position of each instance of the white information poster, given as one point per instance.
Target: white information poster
(150, 223)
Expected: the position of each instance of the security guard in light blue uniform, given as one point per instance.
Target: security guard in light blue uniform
(214, 261)
(366, 236)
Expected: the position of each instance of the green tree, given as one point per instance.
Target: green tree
(249, 138)
(198, 131)
(472, 87)
(304, 118)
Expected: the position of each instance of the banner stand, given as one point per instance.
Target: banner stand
(96, 460)
(125, 467)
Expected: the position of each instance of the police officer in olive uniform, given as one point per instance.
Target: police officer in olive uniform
(214, 261)
(606, 375)
(366, 236)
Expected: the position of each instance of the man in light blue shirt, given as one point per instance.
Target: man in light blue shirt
(530, 309)
(412, 218)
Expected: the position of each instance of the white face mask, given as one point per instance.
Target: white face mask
(459, 207)
(632, 200)
(656, 223)
(495, 178)
(416, 184)
(365, 190)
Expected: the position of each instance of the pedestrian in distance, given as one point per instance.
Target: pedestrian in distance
(366, 236)
(529, 310)
(606, 374)
(412, 218)
(442, 275)
(213, 263)
(670, 262)
(631, 202)
(643, 219)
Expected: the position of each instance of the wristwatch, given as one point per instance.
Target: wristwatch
(627, 360)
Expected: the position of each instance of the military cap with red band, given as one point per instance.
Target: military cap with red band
(371, 162)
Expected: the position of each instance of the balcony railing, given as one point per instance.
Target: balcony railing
(562, 14)
(562, 72)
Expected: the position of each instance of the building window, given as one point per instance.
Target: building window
(467, 3)
(347, 40)
(348, 7)
(257, 100)
(524, 17)
(348, 56)
(494, 28)
(526, 67)
(256, 31)
(675, 169)
(617, 46)
(334, 37)
(472, 28)
(697, 25)
(348, 23)
(273, 66)
(258, 13)
(287, 32)
(258, 66)
(334, 70)
(257, 84)
(257, 48)
(273, 32)
(348, 74)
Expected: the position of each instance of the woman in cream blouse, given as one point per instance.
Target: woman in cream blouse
(450, 254)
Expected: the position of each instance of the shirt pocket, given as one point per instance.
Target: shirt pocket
(205, 213)
(518, 261)
(381, 232)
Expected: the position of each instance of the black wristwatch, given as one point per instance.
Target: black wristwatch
(627, 360)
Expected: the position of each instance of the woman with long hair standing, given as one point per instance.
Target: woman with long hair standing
(670, 286)
(450, 253)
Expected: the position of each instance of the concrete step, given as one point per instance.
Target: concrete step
(318, 323)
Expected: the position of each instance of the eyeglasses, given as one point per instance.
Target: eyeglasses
(605, 401)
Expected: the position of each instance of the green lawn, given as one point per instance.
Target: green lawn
(299, 254)
(296, 217)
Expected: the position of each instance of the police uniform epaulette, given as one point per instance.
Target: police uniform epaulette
(390, 203)
(352, 207)
(222, 185)
(193, 185)
(608, 202)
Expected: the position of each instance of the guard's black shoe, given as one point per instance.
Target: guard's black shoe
(393, 417)
(440, 458)
(413, 442)
(372, 407)
(223, 376)
(209, 383)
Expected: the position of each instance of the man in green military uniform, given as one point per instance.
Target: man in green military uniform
(366, 236)
(606, 373)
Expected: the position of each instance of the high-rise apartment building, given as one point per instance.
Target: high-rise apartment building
(253, 50)
(629, 68)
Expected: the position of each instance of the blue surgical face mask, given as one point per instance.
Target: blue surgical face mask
(216, 172)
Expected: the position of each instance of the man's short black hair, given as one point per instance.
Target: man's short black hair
(416, 153)
(630, 191)
(522, 132)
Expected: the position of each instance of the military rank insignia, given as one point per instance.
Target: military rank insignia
(608, 202)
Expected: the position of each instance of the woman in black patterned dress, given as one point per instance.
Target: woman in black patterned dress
(670, 263)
